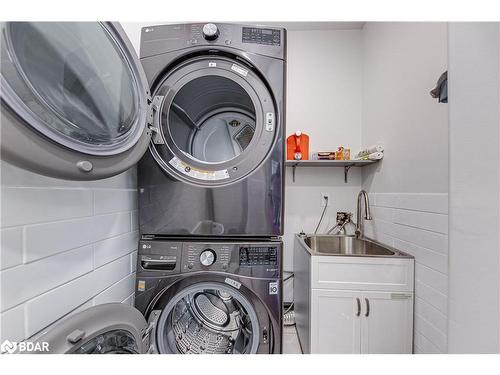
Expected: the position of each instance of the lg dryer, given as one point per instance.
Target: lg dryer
(215, 166)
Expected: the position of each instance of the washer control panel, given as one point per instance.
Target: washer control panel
(258, 256)
(251, 258)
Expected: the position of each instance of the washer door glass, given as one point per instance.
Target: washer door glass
(75, 82)
(110, 328)
(113, 342)
(208, 318)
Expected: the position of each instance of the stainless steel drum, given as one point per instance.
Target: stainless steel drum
(208, 319)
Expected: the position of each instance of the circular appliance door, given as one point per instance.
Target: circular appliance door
(208, 318)
(74, 99)
(217, 122)
(112, 328)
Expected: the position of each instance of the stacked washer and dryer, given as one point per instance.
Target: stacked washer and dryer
(202, 113)
(211, 188)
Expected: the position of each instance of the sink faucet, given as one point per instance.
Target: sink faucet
(359, 219)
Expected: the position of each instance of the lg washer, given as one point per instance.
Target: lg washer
(199, 297)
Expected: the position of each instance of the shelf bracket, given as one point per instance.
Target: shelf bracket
(346, 171)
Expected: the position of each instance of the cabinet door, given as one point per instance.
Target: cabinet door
(387, 323)
(335, 324)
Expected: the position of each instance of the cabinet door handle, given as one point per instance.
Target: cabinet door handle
(359, 306)
(367, 307)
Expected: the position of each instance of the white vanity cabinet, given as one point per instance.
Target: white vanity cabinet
(356, 322)
(353, 304)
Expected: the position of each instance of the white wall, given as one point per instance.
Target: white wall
(474, 308)
(323, 100)
(65, 246)
(133, 31)
(401, 64)
(324, 87)
(408, 189)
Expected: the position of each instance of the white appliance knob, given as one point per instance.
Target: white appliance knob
(207, 257)
(210, 31)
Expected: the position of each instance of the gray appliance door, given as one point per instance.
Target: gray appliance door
(217, 122)
(74, 99)
(111, 328)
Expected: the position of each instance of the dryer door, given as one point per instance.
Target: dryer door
(218, 121)
(112, 328)
(74, 99)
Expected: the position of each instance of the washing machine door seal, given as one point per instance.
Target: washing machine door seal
(75, 102)
(111, 328)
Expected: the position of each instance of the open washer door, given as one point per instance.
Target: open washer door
(74, 99)
(111, 328)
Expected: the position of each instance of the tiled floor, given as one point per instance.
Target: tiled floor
(291, 341)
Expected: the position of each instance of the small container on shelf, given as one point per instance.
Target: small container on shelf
(324, 155)
(339, 154)
(297, 146)
(347, 154)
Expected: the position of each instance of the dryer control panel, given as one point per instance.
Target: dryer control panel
(266, 41)
(271, 37)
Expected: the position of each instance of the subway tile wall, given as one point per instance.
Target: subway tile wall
(65, 246)
(418, 225)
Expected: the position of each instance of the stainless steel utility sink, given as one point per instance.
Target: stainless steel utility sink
(346, 245)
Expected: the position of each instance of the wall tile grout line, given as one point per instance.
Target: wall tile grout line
(432, 325)
(46, 291)
(420, 332)
(70, 249)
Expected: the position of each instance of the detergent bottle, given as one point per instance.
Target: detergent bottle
(297, 146)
